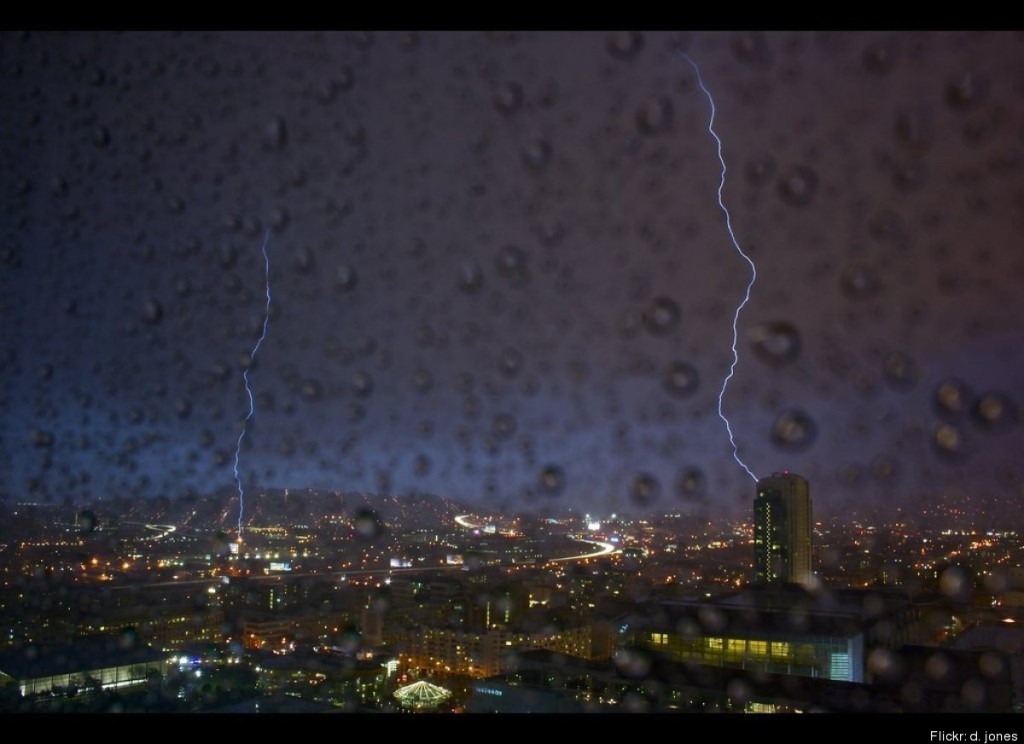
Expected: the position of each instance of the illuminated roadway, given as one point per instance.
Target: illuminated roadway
(163, 529)
(604, 548)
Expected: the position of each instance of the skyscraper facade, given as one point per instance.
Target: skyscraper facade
(782, 530)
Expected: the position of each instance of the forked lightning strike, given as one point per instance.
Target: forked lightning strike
(736, 245)
(248, 390)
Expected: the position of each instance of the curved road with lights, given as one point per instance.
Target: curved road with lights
(603, 548)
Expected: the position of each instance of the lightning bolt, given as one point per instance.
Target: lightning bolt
(248, 390)
(736, 245)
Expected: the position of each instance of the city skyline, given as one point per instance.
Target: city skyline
(349, 602)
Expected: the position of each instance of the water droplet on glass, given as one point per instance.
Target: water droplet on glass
(275, 134)
(58, 186)
(966, 91)
(346, 278)
(860, 282)
(655, 116)
(362, 384)
(797, 185)
(510, 362)
(937, 665)
(504, 426)
(883, 663)
(879, 57)
(41, 439)
(681, 379)
(882, 468)
(305, 261)
(537, 153)
(661, 317)
(991, 664)
(624, 44)
(153, 311)
(464, 382)
(552, 480)
(909, 176)
(760, 169)
(794, 431)
(279, 218)
(423, 381)
(951, 397)
(644, 490)
(471, 407)
(86, 521)
(776, 343)
(367, 524)
(471, 277)
(913, 130)
(508, 98)
(739, 691)
(993, 410)
(954, 583)
(849, 474)
(692, 484)
(312, 389)
(948, 440)
(900, 370)
(511, 262)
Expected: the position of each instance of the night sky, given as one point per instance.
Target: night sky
(499, 272)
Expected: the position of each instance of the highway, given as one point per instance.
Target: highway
(603, 548)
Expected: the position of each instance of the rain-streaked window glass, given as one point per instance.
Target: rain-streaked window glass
(511, 371)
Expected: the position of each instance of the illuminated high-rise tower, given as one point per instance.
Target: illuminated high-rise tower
(782, 530)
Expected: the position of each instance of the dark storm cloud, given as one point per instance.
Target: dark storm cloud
(499, 269)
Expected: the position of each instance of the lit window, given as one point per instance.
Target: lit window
(780, 650)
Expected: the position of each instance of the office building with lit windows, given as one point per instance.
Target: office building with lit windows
(782, 530)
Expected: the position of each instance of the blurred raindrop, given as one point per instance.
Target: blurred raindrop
(655, 116)
(367, 524)
(879, 57)
(275, 134)
(951, 398)
(948, 440)
(661, 317)
(692, 484)
(966, 91)
(362, 384)
(993, 410)
(624, 44)
(760, 169)
(776, 343)
(644, 490)
(794, 431)
(346, 278)
(900, 370)
(552, 480)
(681, 380)
(508, 98)
(860, 282)
(798, 185)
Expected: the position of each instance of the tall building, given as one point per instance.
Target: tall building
(782, 530)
